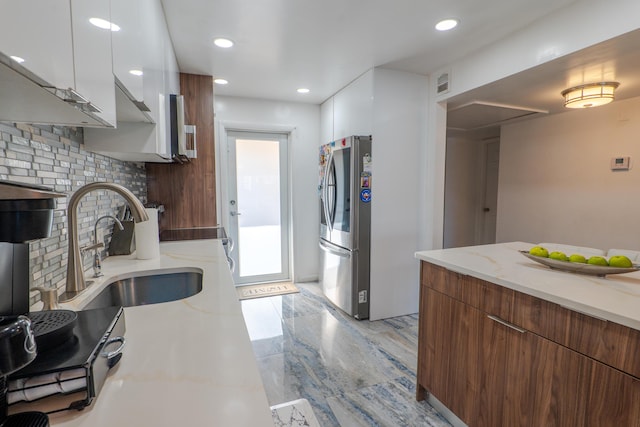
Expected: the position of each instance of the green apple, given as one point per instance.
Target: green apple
(557, 255)
(620, 261)
(539, 251)
(577, 258)
(597, 260)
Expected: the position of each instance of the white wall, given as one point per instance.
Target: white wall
(555, 181)
(353, 108)
(392, 107)
(462, 191)
(326, 121)
(553, 36)
(399, 132)
(303, 122)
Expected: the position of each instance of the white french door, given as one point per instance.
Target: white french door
(258, 206)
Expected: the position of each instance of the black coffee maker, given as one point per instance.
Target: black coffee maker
(26, 213)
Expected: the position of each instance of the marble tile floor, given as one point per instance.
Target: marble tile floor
(353, 373)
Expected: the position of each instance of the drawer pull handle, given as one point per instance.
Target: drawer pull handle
(505, 323)
(117, 351)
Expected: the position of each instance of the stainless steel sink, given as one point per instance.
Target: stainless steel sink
(149, 289)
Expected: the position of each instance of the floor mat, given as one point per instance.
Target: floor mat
(266, 290)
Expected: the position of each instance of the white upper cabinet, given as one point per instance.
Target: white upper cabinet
(64, 56)
(47, 52)
(92, 56)
(133, 62)
(138, 139)
(128, 46)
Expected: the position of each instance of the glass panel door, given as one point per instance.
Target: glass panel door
(258, 206)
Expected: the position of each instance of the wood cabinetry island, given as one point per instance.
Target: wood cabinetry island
(504, 341)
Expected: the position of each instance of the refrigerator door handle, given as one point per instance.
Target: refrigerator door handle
(335, 251)
(325, 194)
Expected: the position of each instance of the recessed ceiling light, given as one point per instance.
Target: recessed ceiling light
(136, 72)
(446, 24)
(17, 59)
(220, 81)
(223, 43)
(104, 24)
(303, 90)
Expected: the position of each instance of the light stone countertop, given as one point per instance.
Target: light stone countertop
(614, 297)
(187, 362)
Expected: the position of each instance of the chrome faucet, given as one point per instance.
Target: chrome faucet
(75, 271)
(97, 259)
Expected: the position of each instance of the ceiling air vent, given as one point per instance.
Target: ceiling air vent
(443, 83)
(479, 114)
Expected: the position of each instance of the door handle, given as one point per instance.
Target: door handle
(234, 213)
(340, 253)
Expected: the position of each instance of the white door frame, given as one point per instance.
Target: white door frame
(222, 171)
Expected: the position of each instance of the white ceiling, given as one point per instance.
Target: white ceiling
(282, 45)
(539, 88)
(323, 45)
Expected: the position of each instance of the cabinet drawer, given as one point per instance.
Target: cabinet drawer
(440, 279)
(608, 342)
(485, 296)
(547, 319)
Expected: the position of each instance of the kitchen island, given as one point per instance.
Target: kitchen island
(186, 362)
(504, 340)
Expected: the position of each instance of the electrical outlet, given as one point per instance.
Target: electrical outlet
(362, 297)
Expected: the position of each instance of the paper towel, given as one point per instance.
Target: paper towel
(147, 236)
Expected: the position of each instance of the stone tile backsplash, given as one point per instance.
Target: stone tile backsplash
(54, 156)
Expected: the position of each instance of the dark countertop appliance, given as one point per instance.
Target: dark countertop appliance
(71, 374)
(26, 213)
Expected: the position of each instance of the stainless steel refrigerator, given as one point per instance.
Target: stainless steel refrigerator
(345, 223)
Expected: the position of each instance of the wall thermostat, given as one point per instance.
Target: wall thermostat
(620, 163)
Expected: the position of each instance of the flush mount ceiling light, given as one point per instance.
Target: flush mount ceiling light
(223, 43)
(303, 90)
(136, 72)
(589, 95)
(220, 81)
(104, 24)
(447, 24)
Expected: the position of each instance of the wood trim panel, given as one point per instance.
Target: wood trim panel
(188, 191)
